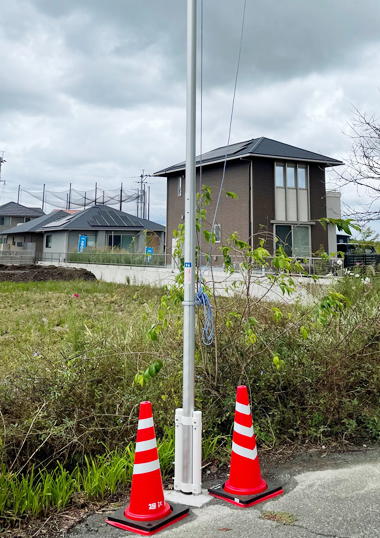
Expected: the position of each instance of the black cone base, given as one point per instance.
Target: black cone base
(246, 500)
(146, 528)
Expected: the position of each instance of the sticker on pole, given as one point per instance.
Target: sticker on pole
(187, 273)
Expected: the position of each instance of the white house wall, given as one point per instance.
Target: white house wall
(58, 244)
(333, 211)
(101, 239)
(74, 241)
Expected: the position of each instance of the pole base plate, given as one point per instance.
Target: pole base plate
(146, 528)
(246, 500)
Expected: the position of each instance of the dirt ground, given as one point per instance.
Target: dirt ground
(40, 273)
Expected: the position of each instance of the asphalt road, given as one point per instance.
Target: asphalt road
(334, 496)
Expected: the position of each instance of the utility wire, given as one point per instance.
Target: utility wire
(202, 297)
(231, 118)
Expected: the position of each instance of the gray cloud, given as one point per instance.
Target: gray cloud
(282, 39)
(95, 90)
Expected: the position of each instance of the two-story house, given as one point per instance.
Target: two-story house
(281, 195)
(12, 214)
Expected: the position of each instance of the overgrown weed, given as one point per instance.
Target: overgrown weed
(68, 367)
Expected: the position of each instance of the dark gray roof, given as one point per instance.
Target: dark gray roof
(35, 224)
(11, 209)
(257, 147)
(102, 217)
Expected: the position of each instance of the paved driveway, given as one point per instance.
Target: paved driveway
(330, 496)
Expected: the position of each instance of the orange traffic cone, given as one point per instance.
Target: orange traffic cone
(245, 486)
(147, 512)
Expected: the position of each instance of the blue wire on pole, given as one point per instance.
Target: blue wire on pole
(208, 325)
(202, 298)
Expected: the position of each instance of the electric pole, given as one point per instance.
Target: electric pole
(143, 201)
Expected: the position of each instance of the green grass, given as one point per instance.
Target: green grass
(68, 366)
(117, 258)
(37, 493)
(284, 518)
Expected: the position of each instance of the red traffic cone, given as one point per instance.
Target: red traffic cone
(245, 486)
(147, 512)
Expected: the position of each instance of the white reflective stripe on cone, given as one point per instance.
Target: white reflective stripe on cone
(141, 446)
(145, 423)
(242, 408)
(243, 430)
(141, 468)
(250, 453)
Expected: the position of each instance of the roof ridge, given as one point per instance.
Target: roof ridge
(227, 146)
(259, 140)
(296, 147)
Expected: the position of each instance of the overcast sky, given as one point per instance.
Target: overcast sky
(94, 90)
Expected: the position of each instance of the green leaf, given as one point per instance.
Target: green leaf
(232, 195)
(278, 315)
(304, 331)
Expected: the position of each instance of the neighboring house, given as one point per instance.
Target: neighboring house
(12, 214)
(28, 236)
(333, 211)
(281, 190)
(104, 228)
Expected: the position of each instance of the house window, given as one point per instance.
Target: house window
(27, 219)
(5, 221)
(292, 193)
(280, 182)
(48, 241)
(302, 177)
(295, 240)
(91, 241)
(120, 241)
(218, 233)
(180, 186)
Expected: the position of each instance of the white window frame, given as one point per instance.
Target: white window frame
(285, 165)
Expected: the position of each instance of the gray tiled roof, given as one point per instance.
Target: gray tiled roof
(12, 209)
(102, 217)
(35, 224)
(257, 147)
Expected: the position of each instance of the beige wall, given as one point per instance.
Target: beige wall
(13, 239)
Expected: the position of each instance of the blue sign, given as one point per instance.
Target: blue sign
(149, 254)
(82, 243)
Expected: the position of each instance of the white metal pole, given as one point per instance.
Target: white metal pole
(189, 277)
(178, 449)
